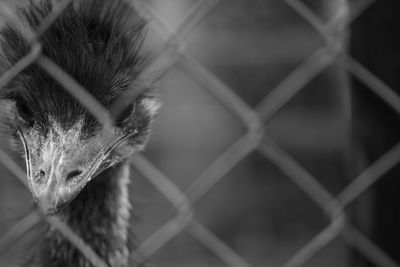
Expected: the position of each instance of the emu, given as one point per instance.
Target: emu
(75, 170)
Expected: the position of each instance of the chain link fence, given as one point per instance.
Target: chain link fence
(174, 55)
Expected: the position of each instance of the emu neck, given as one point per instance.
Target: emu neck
(100, 216)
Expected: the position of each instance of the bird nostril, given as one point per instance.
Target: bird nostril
(73, 174)
(39, 177)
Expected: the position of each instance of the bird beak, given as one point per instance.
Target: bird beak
(58, 181)
(59, 169)
(62, 164)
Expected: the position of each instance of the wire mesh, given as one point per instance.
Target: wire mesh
(254, 139)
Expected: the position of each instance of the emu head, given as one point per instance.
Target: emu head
(97, 43)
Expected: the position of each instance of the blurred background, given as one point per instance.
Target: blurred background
(251, 46)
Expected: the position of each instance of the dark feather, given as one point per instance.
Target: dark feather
(96, 42)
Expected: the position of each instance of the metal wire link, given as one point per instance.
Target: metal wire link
(254, 139)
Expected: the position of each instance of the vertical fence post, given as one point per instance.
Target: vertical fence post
(375, 41)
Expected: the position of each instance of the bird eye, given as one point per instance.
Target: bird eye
(125, 114)
(24, 112)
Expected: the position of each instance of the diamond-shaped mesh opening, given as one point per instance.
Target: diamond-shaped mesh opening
(265, 215)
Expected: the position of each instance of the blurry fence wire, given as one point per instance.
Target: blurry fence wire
(255, 138)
